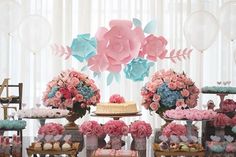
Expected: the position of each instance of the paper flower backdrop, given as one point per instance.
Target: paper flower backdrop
(124, 45)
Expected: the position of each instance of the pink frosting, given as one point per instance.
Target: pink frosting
(231, 147)
(116, 98)
(190, 114)
(229, 105)
(221, 120)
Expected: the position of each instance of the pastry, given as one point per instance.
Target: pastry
(47, 146)
(56, 146)
(66, 146)
(164, 146)
(184, 148)
(126, 153)
(174, 146)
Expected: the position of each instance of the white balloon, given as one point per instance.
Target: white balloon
(10, 15)
(228, 20)
(200, 29)
(35, 32)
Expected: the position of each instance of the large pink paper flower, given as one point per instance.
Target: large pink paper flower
(153, 47)
(120, 44)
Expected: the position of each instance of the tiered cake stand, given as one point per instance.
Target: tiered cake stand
(189, 134)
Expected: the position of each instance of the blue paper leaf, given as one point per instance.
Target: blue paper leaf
(150, 27)
(117, 77)
(109, 79)
(151, 64)
(137, 22)
(96, 74)
(84, 68)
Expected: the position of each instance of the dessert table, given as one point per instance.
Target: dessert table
(83, 152)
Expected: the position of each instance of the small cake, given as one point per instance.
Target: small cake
(219, 89)
(126, 153)
(117, 105)
(104, 153)
(37, 146)
(66, 146)
(56, 146)
(164, 146)
(47, 146)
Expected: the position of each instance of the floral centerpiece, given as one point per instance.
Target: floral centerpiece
(168, 89)
(51, 129)
(92, 130)
(116, 129)
(140, 129)
(72, 90)
(174, 129)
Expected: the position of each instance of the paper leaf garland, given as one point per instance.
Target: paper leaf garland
(61, 50)
(124, 46)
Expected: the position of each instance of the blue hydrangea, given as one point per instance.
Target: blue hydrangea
(84, 90)
(137, 69)
(168, 96)
(53, 91)
(83, 47)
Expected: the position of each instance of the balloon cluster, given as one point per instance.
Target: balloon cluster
(201, 27)
(34, 30)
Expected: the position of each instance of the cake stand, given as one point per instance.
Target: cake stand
(117, 116)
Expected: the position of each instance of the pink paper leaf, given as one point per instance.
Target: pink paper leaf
(61, 50)
(172, 59)
(172, 53)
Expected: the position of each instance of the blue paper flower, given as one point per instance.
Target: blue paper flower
(86, 91)
(168, 97)
(137, 69)
(83, 47)
(53, 91)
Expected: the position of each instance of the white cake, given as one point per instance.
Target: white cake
(116, 108)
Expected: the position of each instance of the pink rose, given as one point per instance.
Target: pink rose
(154, 47)
(185, 93)
(154, 106)
(156, 97)
(58, 94)
(180, 102)
(74, 81)
(172, 85)
(180, 85)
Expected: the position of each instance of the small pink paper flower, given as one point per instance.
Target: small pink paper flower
(154, 47)
(140, 129)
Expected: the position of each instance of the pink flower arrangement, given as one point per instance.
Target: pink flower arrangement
(116, 98)
(140, 129)
(116, 128)
(71, 90)
(174, 129)
(221, 120)
(229, 105)
(91, 128)
(168, 89)
(233, 121)
(51, 129)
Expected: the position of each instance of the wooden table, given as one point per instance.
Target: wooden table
(172, 153)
